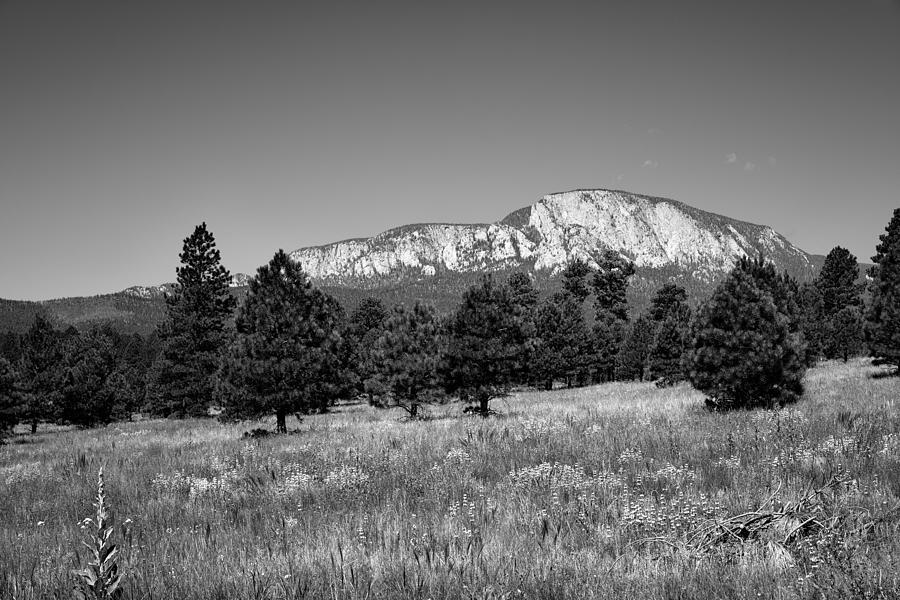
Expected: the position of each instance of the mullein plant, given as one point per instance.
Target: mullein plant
(101, 577)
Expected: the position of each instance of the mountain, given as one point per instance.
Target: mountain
(655, 233)
(667, 240)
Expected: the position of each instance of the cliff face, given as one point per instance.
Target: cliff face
(653, 232)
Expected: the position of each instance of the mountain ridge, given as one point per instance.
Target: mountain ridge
(435, 262)
(544, 236)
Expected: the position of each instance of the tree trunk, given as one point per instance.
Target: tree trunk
(483, 404)
(413, 410)
(281, 425)
(34, 425)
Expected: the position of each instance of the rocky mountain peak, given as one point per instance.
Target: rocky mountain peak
(544, 237)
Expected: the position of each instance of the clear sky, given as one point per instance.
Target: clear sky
(124, 124)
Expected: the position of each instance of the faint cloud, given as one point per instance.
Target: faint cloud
(749, 166)
(651, 164)
(654, 131)
(620, 177)
(772, 161)
(731, 158)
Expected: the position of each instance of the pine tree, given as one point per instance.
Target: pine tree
(671, 316)
(668, 299)
(837, 284)
(837, 281)
(812, 322)
(284, 356)
(365, 326)
(562, 342)
(846, 332)
(883, 318)
(194, 333)
(524, 299)
(483, 345)
(667, 350)
(39, 371)
(408, 355)
(632, 361)
(574, 279)
(746, 351)
(10, 400)
(610, 284)
(89, 394)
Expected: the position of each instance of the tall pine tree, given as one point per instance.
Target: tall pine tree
(883, 318)
(364, 327)
(610, 284)
(562, 349)
(524, 298)
(632, 361)
(408, 355)
(39, 371)
(671, 316)
(484, 347)
(840, 292)
(284, 358)
(194, 332)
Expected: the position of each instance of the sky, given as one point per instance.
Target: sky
(124, 124)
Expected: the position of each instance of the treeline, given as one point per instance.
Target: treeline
(290, 348)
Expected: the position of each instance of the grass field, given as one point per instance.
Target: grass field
(616, 491)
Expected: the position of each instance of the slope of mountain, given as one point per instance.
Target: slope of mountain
(655, 233)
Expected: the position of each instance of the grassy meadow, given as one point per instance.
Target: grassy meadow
(614, 491)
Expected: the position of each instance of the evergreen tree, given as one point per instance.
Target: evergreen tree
(883, 318)
(633, 358)
(10, 400)
(837, 284)
(39, 371)
(194, 332)
(483, 345)
(745, 349)
(562, 342)
(812, 322)
(669, 298)
(89, 394)
(668, 348)
(284, 356)
(365, 326)
(610, 284)
(846, 332)
(524, 299)
(408, 355)
(837, 281)
(671, 316)
(574, 279)
(11, 346)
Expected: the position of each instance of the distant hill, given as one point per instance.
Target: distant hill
(666, 239)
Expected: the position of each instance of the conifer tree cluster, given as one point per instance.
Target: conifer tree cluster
(291, 350)
(82, 378)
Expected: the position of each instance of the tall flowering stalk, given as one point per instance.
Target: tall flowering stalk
(101, 577)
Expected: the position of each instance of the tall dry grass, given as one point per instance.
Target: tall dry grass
(600, 492)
